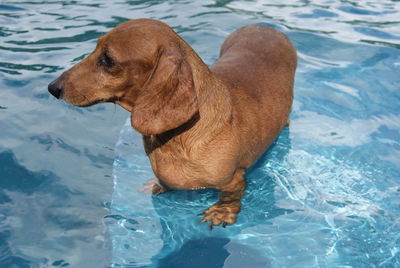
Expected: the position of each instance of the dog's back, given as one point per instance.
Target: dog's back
(259, 62)
(258, 58)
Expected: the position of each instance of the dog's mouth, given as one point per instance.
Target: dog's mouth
(102, 100)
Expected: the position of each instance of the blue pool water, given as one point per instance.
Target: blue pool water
(326, 194)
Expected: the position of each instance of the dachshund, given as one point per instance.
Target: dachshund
(202, 127)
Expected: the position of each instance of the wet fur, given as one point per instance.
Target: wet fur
(202, 127)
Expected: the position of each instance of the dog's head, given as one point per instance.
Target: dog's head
(143, 66)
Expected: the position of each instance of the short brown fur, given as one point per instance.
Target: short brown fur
(202, 127)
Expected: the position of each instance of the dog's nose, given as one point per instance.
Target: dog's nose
(55, 89)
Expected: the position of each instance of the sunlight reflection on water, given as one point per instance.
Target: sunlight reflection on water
(325, 195)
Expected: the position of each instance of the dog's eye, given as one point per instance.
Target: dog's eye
(106, 61)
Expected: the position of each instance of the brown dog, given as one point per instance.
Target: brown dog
(202, 127)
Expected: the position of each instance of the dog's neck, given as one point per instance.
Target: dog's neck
(153, 142)
(214, 100)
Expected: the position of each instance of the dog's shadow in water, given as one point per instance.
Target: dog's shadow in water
(189, 244)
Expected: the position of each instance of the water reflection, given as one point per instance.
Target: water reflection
(28, 201)
(200, 253)
(332, 201)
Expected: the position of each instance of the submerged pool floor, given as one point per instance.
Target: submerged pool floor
(326, 194)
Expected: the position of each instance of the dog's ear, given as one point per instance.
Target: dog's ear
(168, 99)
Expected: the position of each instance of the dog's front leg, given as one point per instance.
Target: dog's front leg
(226, 209)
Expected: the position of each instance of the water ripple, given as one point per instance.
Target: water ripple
(325, 195)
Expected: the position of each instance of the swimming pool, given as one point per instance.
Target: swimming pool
(326, 194)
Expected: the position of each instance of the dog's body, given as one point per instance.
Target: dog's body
(202, 127)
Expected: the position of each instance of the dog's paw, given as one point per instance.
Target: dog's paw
(152, 187)
(221, 213)
(157, 189)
